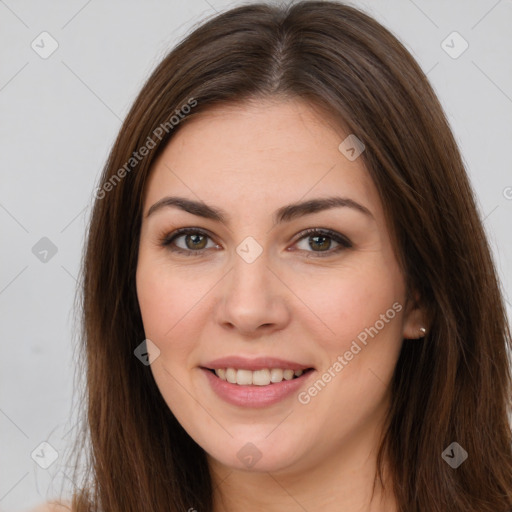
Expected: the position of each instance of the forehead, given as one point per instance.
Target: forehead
(264, 152)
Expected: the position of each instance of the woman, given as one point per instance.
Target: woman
(289, 301)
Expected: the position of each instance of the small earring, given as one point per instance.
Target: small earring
(423, 331)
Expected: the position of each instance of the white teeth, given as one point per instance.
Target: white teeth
(244, 377)
(261, 377)
(276, 375)
(258, 377)
(231, 375)
(288, 374)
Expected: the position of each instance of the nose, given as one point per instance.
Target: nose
(253, 300)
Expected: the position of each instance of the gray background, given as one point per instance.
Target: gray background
(58, 119)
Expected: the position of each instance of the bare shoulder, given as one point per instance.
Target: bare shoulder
(52, 506)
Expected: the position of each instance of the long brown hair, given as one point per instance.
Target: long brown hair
(454, 386)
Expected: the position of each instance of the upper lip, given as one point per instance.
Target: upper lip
(257, 363)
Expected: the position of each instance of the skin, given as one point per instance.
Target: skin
(249, 160)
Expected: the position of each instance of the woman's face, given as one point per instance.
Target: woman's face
(249, 289)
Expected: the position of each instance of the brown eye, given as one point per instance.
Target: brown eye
(321, 240)
(194, 241)
(188, 241)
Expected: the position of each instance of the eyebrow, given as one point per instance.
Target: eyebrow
(283, 214)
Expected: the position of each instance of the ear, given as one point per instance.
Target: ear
(414, 319)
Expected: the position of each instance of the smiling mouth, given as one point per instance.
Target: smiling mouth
(263, 377)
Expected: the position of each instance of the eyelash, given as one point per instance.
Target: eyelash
(344, 243)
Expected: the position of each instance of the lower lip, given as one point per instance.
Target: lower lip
(254, 396)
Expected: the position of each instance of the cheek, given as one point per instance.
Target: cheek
(155, 302)
(347, 303)
(174, 310)
(364, 312)
(169, 322)
(166, 297)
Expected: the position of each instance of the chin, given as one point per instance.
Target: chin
(258, 456)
